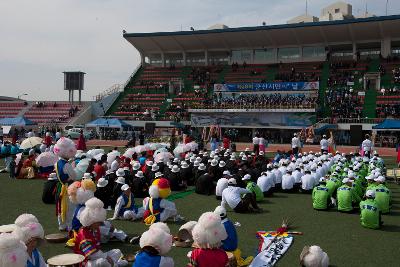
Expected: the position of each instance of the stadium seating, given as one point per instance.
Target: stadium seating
(51, 112)
(11, 109)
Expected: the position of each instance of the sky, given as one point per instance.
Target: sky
(42, 38)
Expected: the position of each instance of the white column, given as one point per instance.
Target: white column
(184, 58)
(386, 47)
(354, 51)
(162, 60)
(206, 57)
(276, 55)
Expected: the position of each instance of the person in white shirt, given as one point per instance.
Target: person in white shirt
(58, 135)
(324, 144)
(367, 146)
(287, 181)
(307, 182)
(115, 164)
(295, 144)
(297, 177)
(266, 182)
(282, 168)
(221, 185)
(239, 199)
(278, 177)
(256, 145)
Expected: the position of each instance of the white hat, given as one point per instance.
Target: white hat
(232, 181)
(220, 211)
(209, 231)
(12, 250)
(370, 193)
(370, 177)
(149, 163)
(322, 179)
(135, 165)
(192, 159)
(222, 164)
(87, 175)
(226, 172)
(205, 154)
(24, 219)
(233, 157)
(158, 239)
(158, 174)
(241, 154)
(346, 180)
(120, 180)
(214, 162)
(52, 176)
(216, 157)
(202, 167)
(175, 169)
(125, 187)
(288, 169)
(261, 153)
(184, 165)
(120, 172)
(380, 179)
(109, 171)
(139, 174)
(246, 177)
(32, 230)
(93, 212)
(155, 167)
(244, 158)
(176, 160)
(196, 163)
(102, 182)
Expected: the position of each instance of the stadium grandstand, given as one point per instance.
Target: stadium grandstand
(324, 74)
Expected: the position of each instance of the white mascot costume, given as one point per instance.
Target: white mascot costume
(314, 256)
(12, 251)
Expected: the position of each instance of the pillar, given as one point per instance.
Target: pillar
(386, 47)
(184, 58)
(206, 58)
(162, 60)
(354, 51)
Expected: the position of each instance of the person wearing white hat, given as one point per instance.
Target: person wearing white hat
(140, 185)
(175, 179)
(10, 244)
(237, 198)
(135, 165)
(367, 146)
(32, 234)
(155, 244)
(278, 177)
(307, 182)
(288, 181)
(222, 183)
(158, 175)
(125, 207)
(186, 174)
(204, 183)
(87, 240)
(116, 191)
(120, 172)
(266, 181)
(49, 189)
(370, 214)
(295, 144)
(320, 196)
(103, 191)
(347, 198)
(382, 195)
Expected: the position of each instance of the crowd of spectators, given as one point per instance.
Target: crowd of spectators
(342, 72)
(388, 110)
(344, 103)
(261, 101)
(396, 75)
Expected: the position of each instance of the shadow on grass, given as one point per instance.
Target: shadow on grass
(390, 228)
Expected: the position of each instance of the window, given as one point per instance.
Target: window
(313, 52)
(288, 53)
(241, 55)
(264, 55)
(337, 10)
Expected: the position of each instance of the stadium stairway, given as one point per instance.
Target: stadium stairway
(127, 90)
(322, 89)
(369, 109)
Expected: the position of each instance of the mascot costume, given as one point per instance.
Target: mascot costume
(157, 207)
(12, 251)
(65, 150)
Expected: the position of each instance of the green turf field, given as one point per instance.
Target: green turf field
(340, 235)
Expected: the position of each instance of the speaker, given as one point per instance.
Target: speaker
(149, 128)
(356, 135)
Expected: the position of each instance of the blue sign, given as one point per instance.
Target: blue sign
(273, 86)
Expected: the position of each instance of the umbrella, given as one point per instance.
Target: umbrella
(153, 146)
(129, 152)
(111, 157)
(30, 142)
(181, 148)
(163, 157)
(46, 159)
(80, 169)
(192, 146)
(98, 156)
(140, 149)
(93, 152)
(163, 149)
